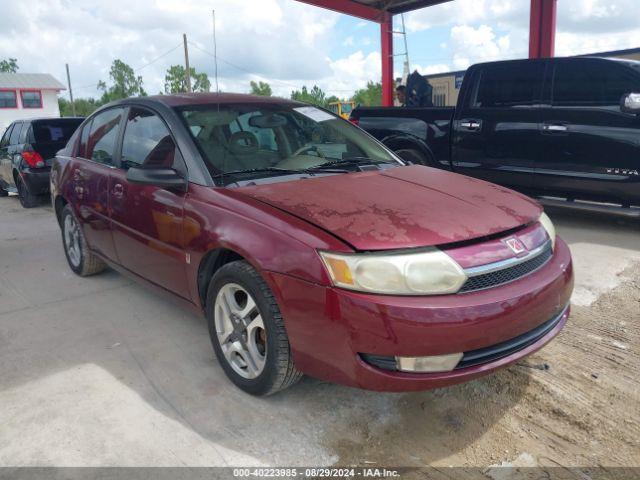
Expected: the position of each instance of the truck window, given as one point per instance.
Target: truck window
(508, 85)
(592, 83)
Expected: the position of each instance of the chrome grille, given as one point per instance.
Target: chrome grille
(496, 276)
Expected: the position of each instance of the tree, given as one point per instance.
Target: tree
(175, 82)
(332, 99)
(124, 83)
(371, 96)
(9, 66)
(84, 106)
(260, 88)
(316, 96)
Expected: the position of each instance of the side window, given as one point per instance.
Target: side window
(15, 134)
(508, 85)
(23, 134)
(266, 136)
(583, 82)
(101, 144)
(5, 138)
(147, 141)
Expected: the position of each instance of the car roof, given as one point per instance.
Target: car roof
(210, 98)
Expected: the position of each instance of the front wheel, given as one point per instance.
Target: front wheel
(79, 257)
(414, 156)
(247, 331)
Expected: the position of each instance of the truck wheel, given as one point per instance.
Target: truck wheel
(247, 331)
(79, 257)
(414, 156)
(27, 199)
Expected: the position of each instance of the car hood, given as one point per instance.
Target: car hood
(401, 207)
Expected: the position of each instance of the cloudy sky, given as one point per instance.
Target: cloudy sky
(284, 42)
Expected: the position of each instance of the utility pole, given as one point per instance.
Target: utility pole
(187, 73)
(73, 105)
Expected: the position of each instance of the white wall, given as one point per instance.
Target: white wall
(49, 109)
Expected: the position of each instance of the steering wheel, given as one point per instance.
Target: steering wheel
(308, 149)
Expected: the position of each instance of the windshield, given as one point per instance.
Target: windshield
(54, 131)
(275, 138)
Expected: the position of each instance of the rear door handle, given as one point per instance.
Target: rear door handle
(471, 125)
(555, 128)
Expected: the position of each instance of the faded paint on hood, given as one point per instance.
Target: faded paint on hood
(401, 207)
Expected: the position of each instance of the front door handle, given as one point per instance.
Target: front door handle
(555, 128)
(471, 125)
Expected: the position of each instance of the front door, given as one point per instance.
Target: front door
(495, 130)
(591, 148)
(147, 221)
(91, 173)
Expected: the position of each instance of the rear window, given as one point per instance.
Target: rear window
(509, 85)
(55, 131)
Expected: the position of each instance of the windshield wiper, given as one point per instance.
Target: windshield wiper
(257, 170)
(349, 161)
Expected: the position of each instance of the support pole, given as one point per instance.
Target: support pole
(187, 72)
(542, 28)
(73, 105)
(386, 51)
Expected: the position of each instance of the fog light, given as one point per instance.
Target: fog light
(435, 363)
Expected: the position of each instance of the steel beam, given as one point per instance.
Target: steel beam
(542, 28)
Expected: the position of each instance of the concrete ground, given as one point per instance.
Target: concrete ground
(101, 372)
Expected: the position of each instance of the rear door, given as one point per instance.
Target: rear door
(495, 130)
(148, 221)
(591, 148)
(91, 174)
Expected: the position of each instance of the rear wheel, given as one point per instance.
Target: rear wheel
(27, 199)
(79, 257)
(247, 331)
(414, 156)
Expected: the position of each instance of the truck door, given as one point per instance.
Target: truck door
(495, 129)
(591, 148)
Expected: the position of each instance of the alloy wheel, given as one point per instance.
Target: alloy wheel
(72, 240)
(240, 331)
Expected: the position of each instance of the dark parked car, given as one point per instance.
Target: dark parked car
(27, 149)
(308, 245)
(566, 129)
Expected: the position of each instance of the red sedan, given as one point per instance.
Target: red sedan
(308, 245)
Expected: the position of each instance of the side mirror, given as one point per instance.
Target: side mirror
(630, 103)
(159, 177)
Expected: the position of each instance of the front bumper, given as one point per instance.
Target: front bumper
(36, 180)
(329, 329)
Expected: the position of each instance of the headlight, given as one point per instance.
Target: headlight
(548, 226)
(430, 272)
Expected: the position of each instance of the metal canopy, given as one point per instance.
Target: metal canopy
(373, 10)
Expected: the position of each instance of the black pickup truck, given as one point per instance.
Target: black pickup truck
(566, 130)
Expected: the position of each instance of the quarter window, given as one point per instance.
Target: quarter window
(592, 83)
(509, 85)
(101, 144)
(5, 138)
(15, 134)
(147, 141)
(31, 99)
(8, 99)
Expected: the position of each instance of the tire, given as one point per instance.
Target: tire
(79, 257)
(27, 199)
(256, 355)
(416, 157)
(3, 193)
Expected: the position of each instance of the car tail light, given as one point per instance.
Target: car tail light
(33, 159)
(355, 121)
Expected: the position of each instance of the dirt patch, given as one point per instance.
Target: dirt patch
(583, 411)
